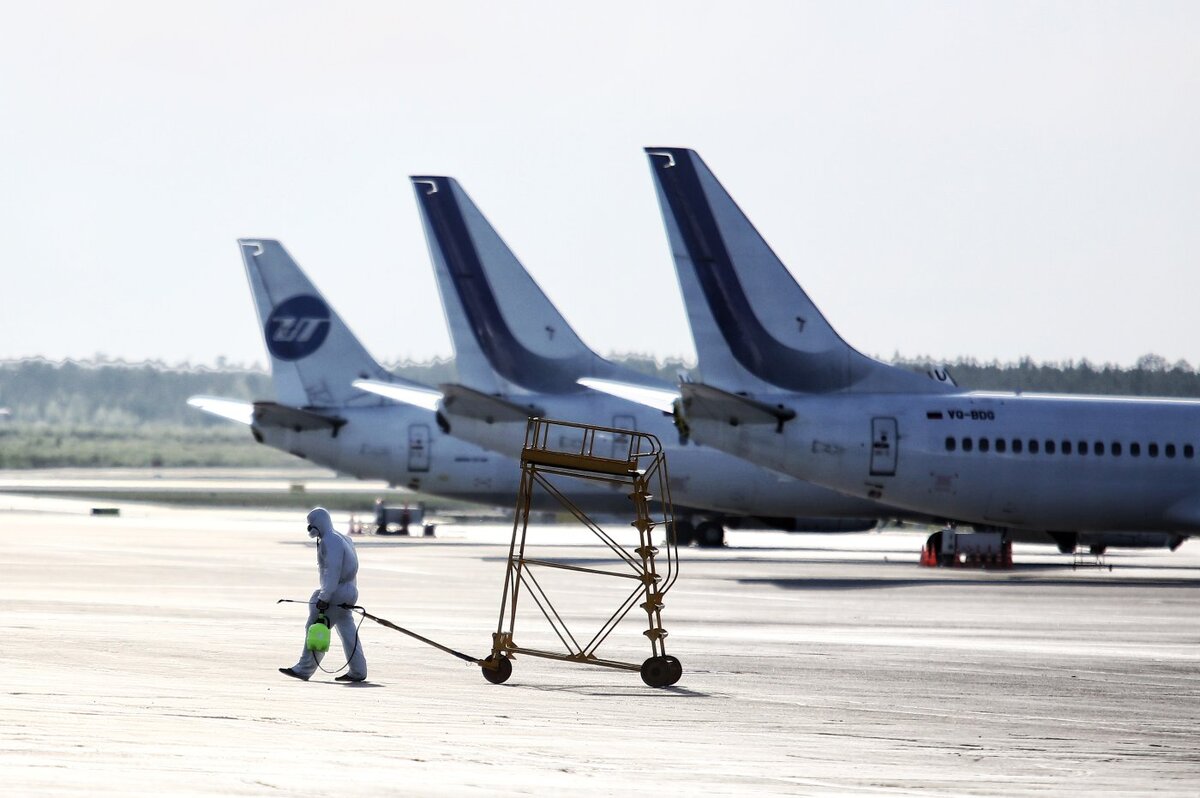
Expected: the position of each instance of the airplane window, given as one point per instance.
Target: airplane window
(1066, 447)
(1135, 449)
(1049, 447)
(983, 444)
(951, 444)
(1001, 445)
(1170, 450)
(1033, 446)
(966, 444)
(1116, 449)
(1017, 445)
(1082, 447)
(1098, 447)
(1188, 451)
(1152, 449)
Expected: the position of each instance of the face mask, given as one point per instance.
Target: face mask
(313, 532)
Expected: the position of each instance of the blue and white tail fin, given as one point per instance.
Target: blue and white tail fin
(755, 329)
(314, 356)
(508, 337)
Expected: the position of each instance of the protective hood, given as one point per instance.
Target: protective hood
(319, 517)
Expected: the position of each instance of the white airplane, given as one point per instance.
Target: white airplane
(519, 357)
(782, 389)
(317, 415)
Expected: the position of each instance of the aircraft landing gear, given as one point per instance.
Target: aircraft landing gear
(710, 535)
(684, 532)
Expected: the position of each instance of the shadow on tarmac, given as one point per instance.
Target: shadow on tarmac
(1012, 581)
(607, 691)
(355, 685)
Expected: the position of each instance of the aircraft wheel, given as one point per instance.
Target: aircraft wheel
(500, 673)
(656, 672)
(674, 670)
(684, 533)
(710, 535)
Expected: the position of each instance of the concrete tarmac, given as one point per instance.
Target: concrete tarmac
(140, 652)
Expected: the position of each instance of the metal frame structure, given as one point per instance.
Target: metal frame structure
(625, 459)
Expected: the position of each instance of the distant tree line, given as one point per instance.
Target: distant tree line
(105, 395)
(1152, 375)
(117, 396)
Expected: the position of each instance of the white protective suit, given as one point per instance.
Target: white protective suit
(337, 563)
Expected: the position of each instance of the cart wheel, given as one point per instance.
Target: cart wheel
(674, 671)
(500, 673)
(656, 672)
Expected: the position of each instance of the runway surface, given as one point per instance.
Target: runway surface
(139, 656)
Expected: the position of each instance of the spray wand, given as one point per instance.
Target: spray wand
(323, 635)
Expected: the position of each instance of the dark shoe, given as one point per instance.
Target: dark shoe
(293, 674)
(345, 677)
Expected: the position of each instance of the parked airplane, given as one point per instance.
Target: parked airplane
(518, 357)
(782, 389)
(317, 415)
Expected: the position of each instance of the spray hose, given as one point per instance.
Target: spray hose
(384, 622)
(321, 619)
(414, 635)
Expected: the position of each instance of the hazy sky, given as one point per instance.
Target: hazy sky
(988, 180)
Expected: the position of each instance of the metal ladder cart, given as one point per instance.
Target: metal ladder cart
(554, 454)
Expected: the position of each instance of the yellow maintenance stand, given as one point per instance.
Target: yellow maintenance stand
(554, 454)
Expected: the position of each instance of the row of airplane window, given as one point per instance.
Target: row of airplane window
(1034, 446)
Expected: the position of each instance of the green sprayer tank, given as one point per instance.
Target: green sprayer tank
(318, 634)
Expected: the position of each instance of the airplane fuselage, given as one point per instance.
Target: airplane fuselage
(1002, 460)
(701, 477)
(404, 447)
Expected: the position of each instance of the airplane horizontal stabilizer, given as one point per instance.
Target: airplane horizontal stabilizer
(464, 401)
(425, 398)
(705, 401)
(657, 398)
(272, 414)
(232, 409)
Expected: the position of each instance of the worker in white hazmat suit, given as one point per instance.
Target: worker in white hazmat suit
(337, 563)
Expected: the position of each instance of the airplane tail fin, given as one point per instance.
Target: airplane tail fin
(314, 356)
(754, 326)
(507, 334)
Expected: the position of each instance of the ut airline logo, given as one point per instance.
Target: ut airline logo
(297, 327)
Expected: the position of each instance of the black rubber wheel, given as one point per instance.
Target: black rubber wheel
(710, 535)
(499, 674)
(682, 533)
(656, 672)
(674, 670)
